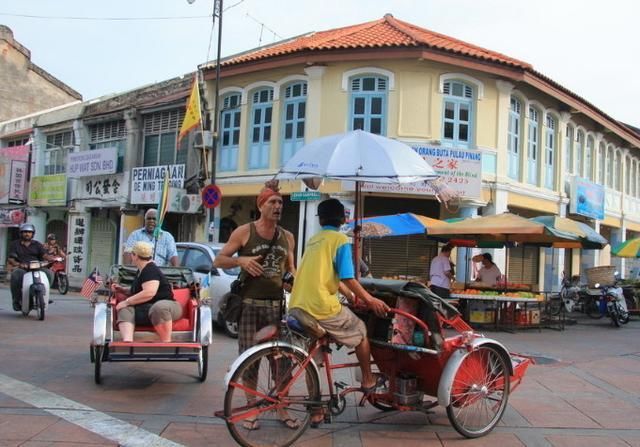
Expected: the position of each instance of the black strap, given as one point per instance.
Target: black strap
(241, 275)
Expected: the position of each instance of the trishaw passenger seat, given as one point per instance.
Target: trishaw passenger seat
(183, 297)
(301, 321)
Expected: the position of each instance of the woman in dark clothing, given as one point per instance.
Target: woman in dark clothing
(150, 298)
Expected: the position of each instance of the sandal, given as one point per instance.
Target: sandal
(367, 390)
(317, 418)
(250, 424)
(291, 423)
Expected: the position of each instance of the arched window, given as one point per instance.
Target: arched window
(533, 146)
(588, 159)
(293, 119)
(458, 114)
(602, 159)
(368, 109)
(229, 132)
(568, 150)
(579, 149)
(513, 143)
(550, 147)
(610, 173)
(260, 128)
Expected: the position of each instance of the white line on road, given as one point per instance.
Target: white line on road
(102, 424)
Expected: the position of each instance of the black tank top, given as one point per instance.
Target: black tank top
(269, 285)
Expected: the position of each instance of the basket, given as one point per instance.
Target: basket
(604, 275)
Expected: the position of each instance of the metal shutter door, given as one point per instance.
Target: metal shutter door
(101, 251)
(394, 256)
(523, 265)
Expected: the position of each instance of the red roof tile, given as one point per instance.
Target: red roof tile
(385, 32)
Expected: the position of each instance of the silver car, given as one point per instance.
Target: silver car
(199, 257)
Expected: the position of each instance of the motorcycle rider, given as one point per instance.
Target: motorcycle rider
(52, 246)
(21, 252)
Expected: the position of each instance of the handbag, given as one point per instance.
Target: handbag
(231, 308)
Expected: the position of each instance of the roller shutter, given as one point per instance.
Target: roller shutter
(102, 244)
(396, 256)
(523, 264)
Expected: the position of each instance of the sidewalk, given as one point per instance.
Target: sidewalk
(584, 391)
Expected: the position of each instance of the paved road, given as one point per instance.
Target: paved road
(585, 391)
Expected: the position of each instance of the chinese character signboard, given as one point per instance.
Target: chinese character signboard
(587, 199)
(13, 174)
(95, 162)
(79, 230)
(460, 169)
(146, 183)
(48, 190)
(102, 187)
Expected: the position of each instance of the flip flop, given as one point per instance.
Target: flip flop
(366, 390)
(290, 423)
(250, 424)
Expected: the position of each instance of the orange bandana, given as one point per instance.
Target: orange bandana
(265, 194)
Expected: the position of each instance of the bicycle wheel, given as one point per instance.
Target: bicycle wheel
(255, 414)
(479, 393)
(555, 306)
(203, 363)
(63, 284)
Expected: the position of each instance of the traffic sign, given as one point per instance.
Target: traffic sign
(305, 196)
(211, 196)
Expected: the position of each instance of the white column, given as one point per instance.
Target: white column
(502, 129)
(464, 255)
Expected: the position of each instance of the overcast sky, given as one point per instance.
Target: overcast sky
(590, 47)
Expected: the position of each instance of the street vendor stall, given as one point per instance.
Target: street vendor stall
(630, 287)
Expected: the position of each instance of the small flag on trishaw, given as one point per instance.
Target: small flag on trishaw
(91, 284)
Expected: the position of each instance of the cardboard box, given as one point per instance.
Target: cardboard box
(482, 316)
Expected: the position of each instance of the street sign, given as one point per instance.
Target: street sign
(305, 196)
(211, 196)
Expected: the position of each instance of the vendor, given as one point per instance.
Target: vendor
(489, 273)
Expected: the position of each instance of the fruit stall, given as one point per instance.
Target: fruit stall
(506, 309)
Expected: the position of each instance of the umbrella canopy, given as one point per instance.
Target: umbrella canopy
(357, 156)
(396, 225)
(588, 237)
(627, 249)
(505, 227)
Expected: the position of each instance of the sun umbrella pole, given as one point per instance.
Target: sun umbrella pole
(356, 232)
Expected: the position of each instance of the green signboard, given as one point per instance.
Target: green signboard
(48, 190)
(305, 196)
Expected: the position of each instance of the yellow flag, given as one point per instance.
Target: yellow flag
(192, 116)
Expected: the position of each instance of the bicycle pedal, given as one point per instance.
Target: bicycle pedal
(340, 385)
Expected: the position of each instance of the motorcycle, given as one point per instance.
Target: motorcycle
(569, 297)
(611, 303)
(35, 289)
(60, 279)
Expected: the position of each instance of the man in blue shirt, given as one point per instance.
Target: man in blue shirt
(165, 253)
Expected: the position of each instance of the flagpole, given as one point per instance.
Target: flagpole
(217, 10)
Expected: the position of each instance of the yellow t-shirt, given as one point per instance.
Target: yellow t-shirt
(317, 279)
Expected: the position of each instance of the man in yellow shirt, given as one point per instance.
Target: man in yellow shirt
(327, 265)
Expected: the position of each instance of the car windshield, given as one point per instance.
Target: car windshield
(233, 271)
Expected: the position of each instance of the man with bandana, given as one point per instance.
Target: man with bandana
(263, 265)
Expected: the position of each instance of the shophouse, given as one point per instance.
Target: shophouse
(501, 133)
(97, 166)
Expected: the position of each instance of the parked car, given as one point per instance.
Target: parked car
(199, 257)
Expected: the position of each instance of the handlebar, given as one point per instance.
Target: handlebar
(413, 318)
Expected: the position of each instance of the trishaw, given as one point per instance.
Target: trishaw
(191, 336)
(423, 349)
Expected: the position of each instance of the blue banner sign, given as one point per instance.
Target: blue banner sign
(587, 198)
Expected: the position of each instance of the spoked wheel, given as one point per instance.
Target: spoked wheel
(230, 328)
(203, 363)
(555, 306)
(479, 393)
(39, 299)
(63, 284)
(254, 412)
(98, 352)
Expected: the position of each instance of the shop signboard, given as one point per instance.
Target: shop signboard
(11, 217)
(93, 162)
(48, 190)
(460, 170)
(13, 174)
(587, 198)
(146, 182)
(78, 233)
(106, 188)
(305, 196)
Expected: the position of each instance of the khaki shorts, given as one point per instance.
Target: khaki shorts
(345, 328)
(160, 312)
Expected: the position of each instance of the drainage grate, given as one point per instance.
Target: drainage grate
(542, 360)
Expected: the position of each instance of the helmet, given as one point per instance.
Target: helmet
(27, 227)
(51, 236)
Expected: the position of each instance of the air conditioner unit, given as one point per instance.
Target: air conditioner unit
(181, 202)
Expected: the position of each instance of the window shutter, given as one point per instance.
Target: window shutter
(356, 84)
(468, 92)
(446, 88)
(382, 84)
